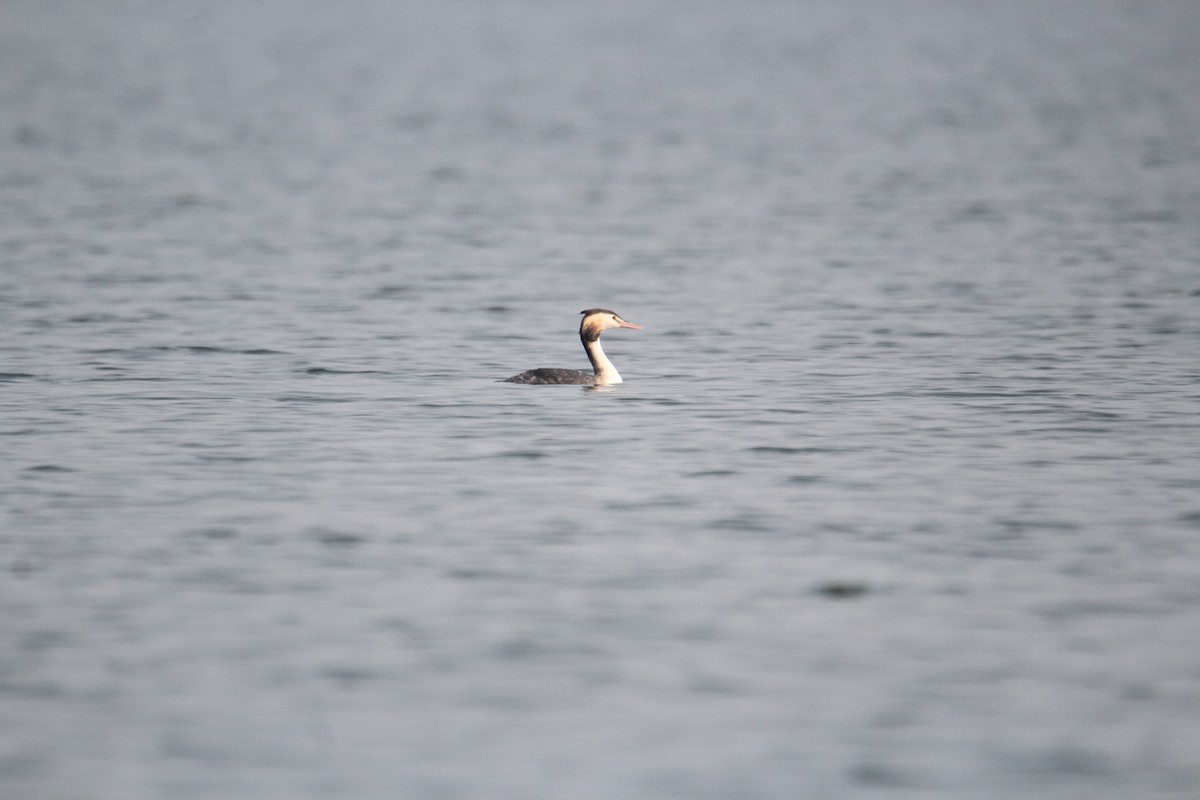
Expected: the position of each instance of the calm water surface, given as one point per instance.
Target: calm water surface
(900, 498)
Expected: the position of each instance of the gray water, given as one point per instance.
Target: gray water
(900, 496)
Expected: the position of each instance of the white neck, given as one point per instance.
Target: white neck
(606, 373)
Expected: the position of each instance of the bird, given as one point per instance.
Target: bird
(595, 322)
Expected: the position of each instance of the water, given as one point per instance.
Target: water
(899, 497)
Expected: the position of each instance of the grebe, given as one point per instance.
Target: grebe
(595, 322)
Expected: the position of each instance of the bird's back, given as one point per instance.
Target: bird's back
(549, 375)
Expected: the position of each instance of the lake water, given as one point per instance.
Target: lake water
(900, 496)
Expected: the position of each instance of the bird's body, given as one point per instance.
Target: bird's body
(550, 375)
(595, 321)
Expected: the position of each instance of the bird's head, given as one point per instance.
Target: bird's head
(598, 320)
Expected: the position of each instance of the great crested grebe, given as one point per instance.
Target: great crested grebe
(595, 322)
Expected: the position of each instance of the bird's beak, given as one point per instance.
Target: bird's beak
(633, 325)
